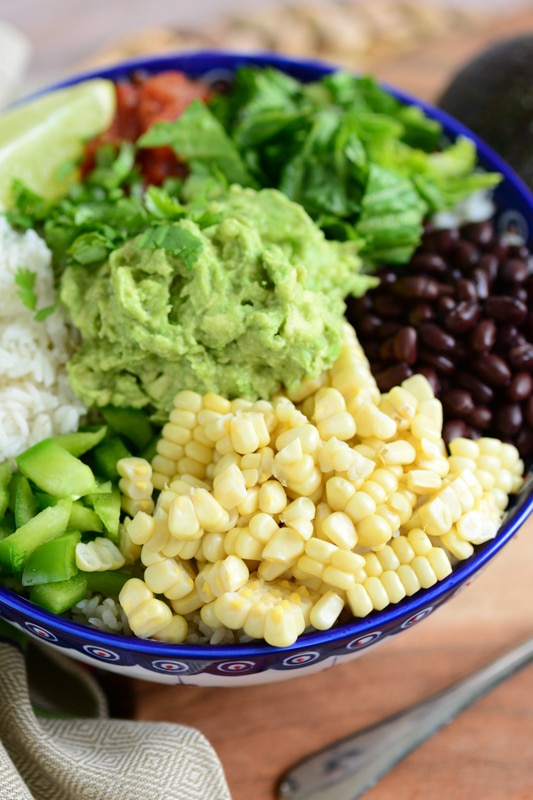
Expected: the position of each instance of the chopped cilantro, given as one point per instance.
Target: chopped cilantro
(25, 280)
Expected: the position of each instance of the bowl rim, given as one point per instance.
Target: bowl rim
(357, 628)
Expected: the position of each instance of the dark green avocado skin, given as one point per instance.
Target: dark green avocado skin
(493, 96)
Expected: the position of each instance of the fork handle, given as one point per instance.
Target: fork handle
(350, 766)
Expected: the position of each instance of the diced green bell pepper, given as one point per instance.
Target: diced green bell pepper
(132, 423)
(83, 518)
(5, 479)
(106, 582)
(52, 561)
(56, 471)
(26, 503)
(59, 596)
(107, 506)
(81, 442)
(47, 524)
(107, 454)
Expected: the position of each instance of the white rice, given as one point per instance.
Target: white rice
(35, 397)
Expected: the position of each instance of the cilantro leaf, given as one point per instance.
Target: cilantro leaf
(173, 238)
(25, 280)
(198, 137)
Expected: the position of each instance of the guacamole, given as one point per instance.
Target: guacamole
(253, 304)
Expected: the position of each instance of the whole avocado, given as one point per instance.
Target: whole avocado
(493, 96)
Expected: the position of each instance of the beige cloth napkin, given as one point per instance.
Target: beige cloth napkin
(76, 752)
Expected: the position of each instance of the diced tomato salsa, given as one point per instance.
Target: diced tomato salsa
(140, 103)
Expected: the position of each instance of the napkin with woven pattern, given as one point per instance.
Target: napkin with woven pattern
(57, 741)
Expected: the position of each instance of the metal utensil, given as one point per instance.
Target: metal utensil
(350, 766)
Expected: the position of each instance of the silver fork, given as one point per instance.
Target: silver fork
(346, 769)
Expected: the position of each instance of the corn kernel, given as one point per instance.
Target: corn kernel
(388, 558)
(98, 555)
(248, 432)
(338, 492)
(169, 450)
(285, 546)
(359, 600)
(377, 593)
(466, 448)
(210, 514)
(409, 579)
(212, 546)
(340, 425)
(183, 522)
(423, 481)
(423, 571)
(373, 565)
(272, 497)
(177, 434)
(175, 631)
(373, 531)
(439, 562)
(250, 503)
(326, 611)
(339, 529)
(403, 547)
(140, 528)
(393, 586)
(169, 577)
(419, 386)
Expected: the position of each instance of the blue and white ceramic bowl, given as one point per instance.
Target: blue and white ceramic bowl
(245, 664)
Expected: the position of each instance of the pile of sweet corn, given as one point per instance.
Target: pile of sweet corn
(268, 517)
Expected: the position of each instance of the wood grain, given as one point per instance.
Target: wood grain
(260, 731)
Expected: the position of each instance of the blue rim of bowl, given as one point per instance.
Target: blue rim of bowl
(306, 69)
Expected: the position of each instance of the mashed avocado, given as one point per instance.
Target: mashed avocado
(258, 307)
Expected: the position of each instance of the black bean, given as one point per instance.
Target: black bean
(392, 376)
(509, 419)
(514, 270)
(480, 233)
(483, 336)
(457, 402)
(462, 317)
(436, 338)
(464, 256)
(456, 428)
(416, 287)
(480, 418)
(386, 350)
(420, 312)
(368, 324)
(440, 363)
(507, 336)
(489, 265)
(440, 241)
(521, 387)
(444, 305)
(506, 309)
(405, 346)
(492, 369)
(521, 357)
(388, 328)
(465, 290)
(527, 409)
(386, 305)
(524, 443)
(432, 263)
(481, 392)
(482, 282)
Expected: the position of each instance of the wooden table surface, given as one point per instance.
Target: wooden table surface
(485, 754)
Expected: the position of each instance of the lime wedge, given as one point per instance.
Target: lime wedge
(37, 137)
